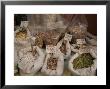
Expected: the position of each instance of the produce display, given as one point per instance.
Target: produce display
(43, 52)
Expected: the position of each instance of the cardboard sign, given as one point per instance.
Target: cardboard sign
(68, 37)
(24, 24)
(81, 41)
(85, 50)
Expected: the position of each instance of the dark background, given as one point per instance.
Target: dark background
(92, 23)
(91, 19)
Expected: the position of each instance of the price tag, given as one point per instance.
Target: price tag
(85, 50)
(51, 49)
(24, 24)
(68, 37)
(81, 41)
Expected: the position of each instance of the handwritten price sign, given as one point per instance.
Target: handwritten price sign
(81, 41)
(51, 49)
(68, 37)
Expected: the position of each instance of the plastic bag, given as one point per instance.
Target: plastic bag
(35, 23)
(45, 22)
(91, 39)
(53, 21)
(54, 62)
(31, 60)
(78, 27)
(93, 51)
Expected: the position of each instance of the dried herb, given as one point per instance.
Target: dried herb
(85, 60)
(22, 34)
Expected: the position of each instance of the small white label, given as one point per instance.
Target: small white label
(51, 49)
(68, 37)
(85, 50)
(81, 41)
(24, 24)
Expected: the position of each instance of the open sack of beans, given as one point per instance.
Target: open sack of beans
(38, 39)
(84, 61)
(65, 46)
(30, 60)
(43, 38)
(52, 37)
(54, 62)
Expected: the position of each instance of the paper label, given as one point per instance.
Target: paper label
(51, 49)
(86, 50)
(24, 24)
(68, 37)
(81, 41)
